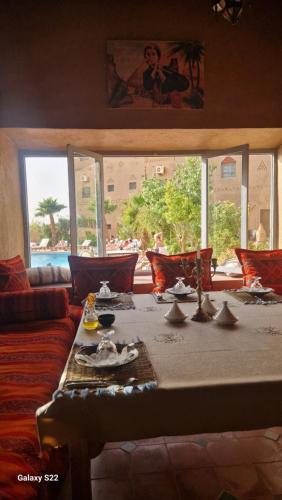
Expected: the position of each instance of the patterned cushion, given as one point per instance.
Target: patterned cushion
(165, 269)
(32, 305)
(13, 275)
(87, 273)
(47, 275)
(29, 374)
(264, 263)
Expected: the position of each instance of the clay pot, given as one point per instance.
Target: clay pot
(224, 316)
(175, 315)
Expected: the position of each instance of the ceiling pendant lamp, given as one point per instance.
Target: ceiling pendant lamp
(230, 9)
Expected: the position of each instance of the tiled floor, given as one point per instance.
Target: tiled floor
(242, 465)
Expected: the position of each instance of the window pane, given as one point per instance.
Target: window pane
(85, 198)
(132, 185)
(228, 169)
(48, 208)
(160, 209)
(86, 192)
(224, 192)
(259, 201)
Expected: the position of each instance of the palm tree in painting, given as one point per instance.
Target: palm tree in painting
(50, 206)
(192, 53)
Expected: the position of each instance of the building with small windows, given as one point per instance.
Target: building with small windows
(224, 184)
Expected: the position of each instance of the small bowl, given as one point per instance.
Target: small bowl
(106, 319)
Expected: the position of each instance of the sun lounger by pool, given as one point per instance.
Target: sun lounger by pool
(85, 244)
(86, 249)
(42, 245)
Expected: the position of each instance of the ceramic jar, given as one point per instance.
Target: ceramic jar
(224, 316)
(175, 315)
(208, 307)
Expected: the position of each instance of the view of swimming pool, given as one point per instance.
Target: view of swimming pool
(49, 258)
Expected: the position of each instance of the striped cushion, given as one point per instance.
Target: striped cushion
(87, 274)
(32, 305)
(47, 275)
(13, 275)
(29, 373)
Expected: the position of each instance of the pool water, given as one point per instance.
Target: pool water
(49, 258)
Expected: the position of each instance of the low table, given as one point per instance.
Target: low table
(210, 379)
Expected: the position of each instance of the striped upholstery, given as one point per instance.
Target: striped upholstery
(32, 305)
(32, 357)
(87, 274)
(47, 275)
(75, 314)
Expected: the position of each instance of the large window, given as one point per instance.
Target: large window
(48, 210)
(185, 205)
(224, 206)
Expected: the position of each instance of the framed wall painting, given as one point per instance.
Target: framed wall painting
(144, 74)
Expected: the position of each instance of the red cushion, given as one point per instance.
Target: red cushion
(13, 275)
(32, 305)
(75, 314)
(264, 263)
(87, 273)
(165, 269)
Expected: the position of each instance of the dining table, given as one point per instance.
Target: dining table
(210, 378)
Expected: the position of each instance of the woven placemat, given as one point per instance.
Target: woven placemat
(247, 298)
(140, 369)
(167, 298)
(123, 301)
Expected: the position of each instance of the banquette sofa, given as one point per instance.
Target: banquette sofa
(36, 334)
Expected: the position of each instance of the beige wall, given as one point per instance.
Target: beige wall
(11, 221)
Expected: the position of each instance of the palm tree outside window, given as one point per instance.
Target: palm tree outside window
(50, 207)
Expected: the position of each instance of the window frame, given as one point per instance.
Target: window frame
(132, 189)
(88, 192)
(205, 155)
(231, 173)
